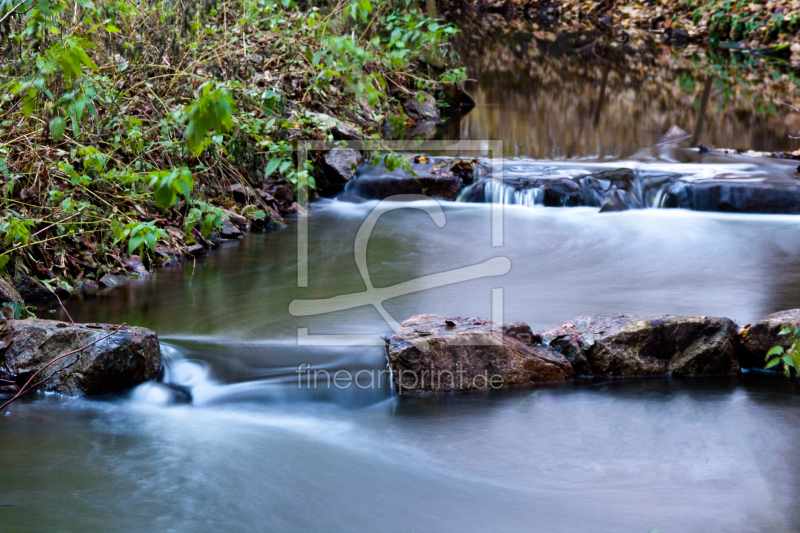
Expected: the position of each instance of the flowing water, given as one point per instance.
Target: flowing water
(232, 438)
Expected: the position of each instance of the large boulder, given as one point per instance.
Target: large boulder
(115, 363)
(431, 353)
(625, 345)
(764, 334)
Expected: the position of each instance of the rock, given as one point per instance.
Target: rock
(431, 353)
(238, 219)
(339, 166)
(424, 129)
(87, 285)
(113, 280)
(135, 265)
(770, 196)
(196, 250)
(228, 230)
(421, 106)
(625, 345)
(571, 349)
(114, 364)
(763, 335)
(619, 200)
(378, 187)
(30, 288)
(674, 135)
(238, 192)
(340, 129)
(8, 293)
(168, 252)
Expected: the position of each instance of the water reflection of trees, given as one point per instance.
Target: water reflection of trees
(563, 96)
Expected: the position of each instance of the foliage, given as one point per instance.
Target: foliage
(121, 119)
(788, 359)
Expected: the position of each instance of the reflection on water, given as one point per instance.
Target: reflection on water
(553, 99)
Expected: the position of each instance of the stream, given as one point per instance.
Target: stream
(232, 439)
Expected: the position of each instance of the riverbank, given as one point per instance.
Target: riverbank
(130, 137)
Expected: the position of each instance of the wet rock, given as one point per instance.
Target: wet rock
(570, 347)
(561, 192)
(8, 293)
(339, 166)
(465, 170)
(431, 353)
(31, 289)
(619, 200)
(421, 106)
(228, 230)
(135, 265)
(113, 280)
(377, 187)
(114, 364)
(763, 335)
(731, 195)
(625, 345)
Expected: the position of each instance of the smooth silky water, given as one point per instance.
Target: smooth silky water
(228, 441)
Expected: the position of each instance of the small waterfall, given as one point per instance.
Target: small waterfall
(495, 192)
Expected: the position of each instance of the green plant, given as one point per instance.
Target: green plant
(168, 184)
(208, 216)
(788, 359)
(138, 235)
(211, 113)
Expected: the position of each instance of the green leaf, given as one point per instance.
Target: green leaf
(4, 261)
(135, 243)
(272, 166)
(110, 28)
(58, 126)
(775, 350)
(773, 363)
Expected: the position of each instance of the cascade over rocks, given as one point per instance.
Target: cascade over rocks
(431, 353)
(626, 345)
(763, 335)
(118, 362)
